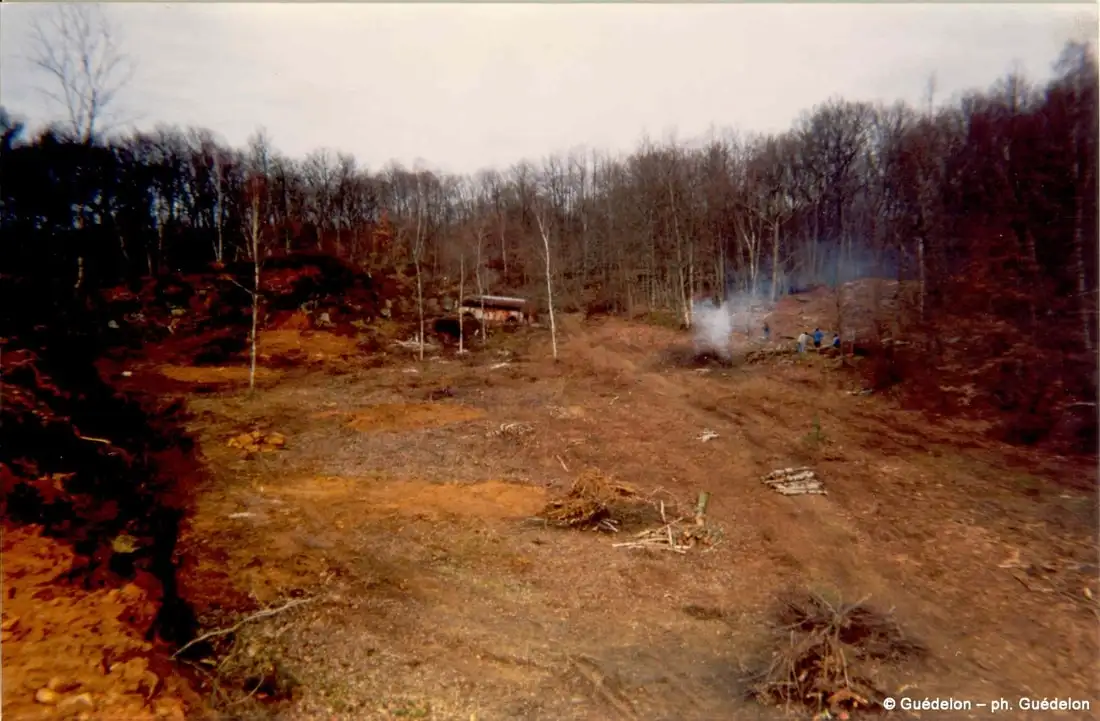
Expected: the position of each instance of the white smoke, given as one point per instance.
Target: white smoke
(713, 325)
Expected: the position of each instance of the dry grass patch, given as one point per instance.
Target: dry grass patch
(411, 416)
(411, 497)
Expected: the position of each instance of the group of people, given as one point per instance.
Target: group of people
(805, 339)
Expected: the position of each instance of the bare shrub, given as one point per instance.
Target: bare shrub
(827, 656)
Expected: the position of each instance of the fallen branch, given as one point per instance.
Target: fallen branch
(93, 439)
(237, 626)
(794, 482)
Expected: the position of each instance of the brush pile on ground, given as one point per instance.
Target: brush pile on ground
(684, 356)
(595, 502)
(830, 657)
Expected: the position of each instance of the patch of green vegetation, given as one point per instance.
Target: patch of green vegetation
(410, 709)
(662, 319)
(816, 436)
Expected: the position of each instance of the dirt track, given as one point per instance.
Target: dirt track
(434, 599)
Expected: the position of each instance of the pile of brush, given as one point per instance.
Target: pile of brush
(828, 656)
(596, 502)
(683, 356)
(678, 535)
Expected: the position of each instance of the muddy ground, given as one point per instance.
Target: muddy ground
(393, 515)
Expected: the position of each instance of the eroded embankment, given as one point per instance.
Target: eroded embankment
(92, 493)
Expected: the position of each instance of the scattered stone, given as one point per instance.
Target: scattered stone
(707, 435)
(258, 442)
(169, 709)
(124, 543)
(47, 696)
(82, 703)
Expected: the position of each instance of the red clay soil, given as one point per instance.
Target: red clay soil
(69, 650)
(406, 525)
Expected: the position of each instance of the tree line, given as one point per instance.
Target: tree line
(988, 200)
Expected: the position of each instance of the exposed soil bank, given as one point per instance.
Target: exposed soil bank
(95, 480)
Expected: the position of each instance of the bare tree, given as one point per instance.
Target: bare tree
(417, 253)
(256, 195)
(76, 45)
(544, 231)
(1078, 68)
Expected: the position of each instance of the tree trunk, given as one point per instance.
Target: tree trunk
(420, 306)
(160, 247)
(417, 251)
(775, 260)
(1083, 300)
(503, 247)
(549, 286)
(921, 271)
(255, 291)
(480, 289)
(219, 252)
(461, 293)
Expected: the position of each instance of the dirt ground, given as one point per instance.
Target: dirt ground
(396, 519)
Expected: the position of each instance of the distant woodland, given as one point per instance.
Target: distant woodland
(988, 205)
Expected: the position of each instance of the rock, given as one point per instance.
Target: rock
(240, 441)
(77, 704)
(324, 321)
(124, 543)
(112, 324)
(277, 439)
(47, 696)
(169, 709)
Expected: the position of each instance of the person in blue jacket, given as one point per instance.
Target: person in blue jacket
(818, 335)
(836, 341)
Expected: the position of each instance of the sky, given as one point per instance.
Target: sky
(458, 87)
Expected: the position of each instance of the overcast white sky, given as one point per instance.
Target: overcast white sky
(468, 86)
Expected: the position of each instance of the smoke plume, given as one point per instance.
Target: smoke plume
(713, 325)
